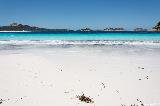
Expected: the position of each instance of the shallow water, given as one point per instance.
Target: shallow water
(67, 40)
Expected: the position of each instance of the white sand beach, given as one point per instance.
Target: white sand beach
(55, 77)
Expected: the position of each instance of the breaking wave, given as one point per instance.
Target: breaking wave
(78, 42)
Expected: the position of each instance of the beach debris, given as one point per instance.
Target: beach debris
(1, 101)
(103, 85)
(139, 103)
(13, 99)
(60, 68)
(134, 105)
(147, 77)
(141, 68)
(66, 92)
(85, 99)
(117, 91)
(18, 99)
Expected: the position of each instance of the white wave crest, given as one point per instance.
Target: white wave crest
(77, 42)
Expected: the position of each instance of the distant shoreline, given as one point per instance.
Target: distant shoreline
(15, 31)
(81, 32)
(16, 27)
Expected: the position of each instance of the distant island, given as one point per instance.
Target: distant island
(26, 28)
(140, 29)
(15, 27)
(157, 27)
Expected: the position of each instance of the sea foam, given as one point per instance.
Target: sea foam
(79, 42)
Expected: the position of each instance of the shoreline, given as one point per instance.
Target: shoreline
(15, 31)
(87, 32)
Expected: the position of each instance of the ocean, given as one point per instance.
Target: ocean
(32, 39)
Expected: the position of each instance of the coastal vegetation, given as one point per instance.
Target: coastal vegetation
(21, 27)
(114, 29)
(157, 27)
(140, 29)
(86, 30)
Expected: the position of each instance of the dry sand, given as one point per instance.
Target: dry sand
(55, 77)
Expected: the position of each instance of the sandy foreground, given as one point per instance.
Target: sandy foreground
(54, 77)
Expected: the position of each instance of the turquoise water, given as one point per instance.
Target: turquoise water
(52, 39)
(80, 36)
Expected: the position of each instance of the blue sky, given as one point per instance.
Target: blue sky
(77, 14)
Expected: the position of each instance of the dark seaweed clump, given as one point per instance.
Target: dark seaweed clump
(1, 101)
(85, 99)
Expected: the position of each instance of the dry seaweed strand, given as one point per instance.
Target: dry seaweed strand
(85, 99)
